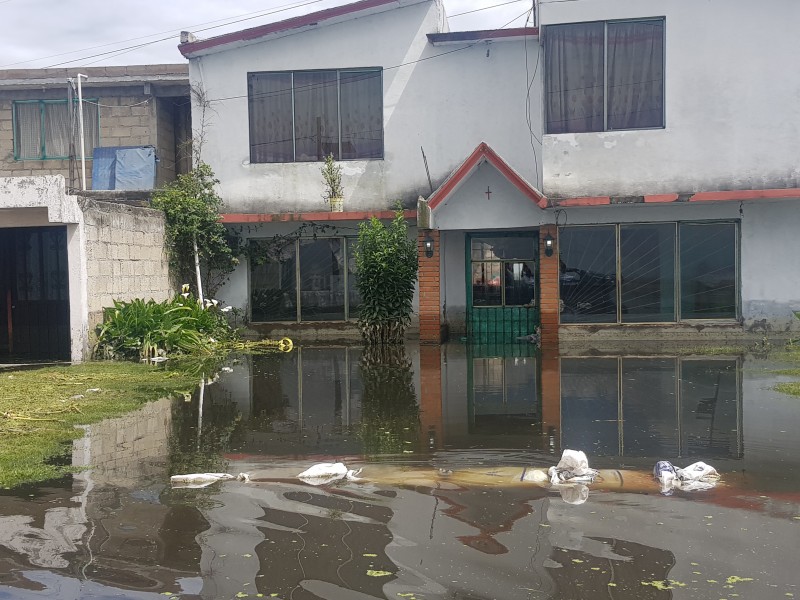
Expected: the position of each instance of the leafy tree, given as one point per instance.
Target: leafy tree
(386, 270)
(198, 240)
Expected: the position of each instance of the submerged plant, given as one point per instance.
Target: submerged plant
(146, 329)
(386, 271)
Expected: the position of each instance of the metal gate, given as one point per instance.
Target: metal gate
(502, 286)
(34, 294)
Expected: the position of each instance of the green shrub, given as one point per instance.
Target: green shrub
(139, 329)
(386, 270)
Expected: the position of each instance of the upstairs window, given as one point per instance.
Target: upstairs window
(42, 129)
(604, 76)
(302, 116)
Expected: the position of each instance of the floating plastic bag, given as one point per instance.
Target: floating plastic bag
(323, 473)
(572, 468)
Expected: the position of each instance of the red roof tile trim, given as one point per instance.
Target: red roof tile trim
(354, 215)
(745, 195)
(286, 25)
(484, 152)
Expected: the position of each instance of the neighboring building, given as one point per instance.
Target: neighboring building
(65, 253)
(670, 162)
(402, 102)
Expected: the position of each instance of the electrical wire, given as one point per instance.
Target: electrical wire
(171, 36)
(467, 12)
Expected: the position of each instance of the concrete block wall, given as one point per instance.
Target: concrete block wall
(126, 256)
(127, 449)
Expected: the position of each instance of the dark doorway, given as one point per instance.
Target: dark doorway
(34, 294)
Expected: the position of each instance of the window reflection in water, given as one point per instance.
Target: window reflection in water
(652, 407)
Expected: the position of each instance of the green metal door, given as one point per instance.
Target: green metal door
(502, 271)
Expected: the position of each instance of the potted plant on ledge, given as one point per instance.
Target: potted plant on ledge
(332, 177)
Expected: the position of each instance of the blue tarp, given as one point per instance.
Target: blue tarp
(124, 168)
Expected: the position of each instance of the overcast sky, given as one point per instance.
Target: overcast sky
(50, 33)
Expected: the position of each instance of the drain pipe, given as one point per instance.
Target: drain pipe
(80, 120)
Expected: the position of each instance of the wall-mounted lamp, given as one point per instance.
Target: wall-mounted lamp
(428, 246)
(549, 245)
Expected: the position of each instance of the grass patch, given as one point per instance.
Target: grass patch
(40, 408)
(792, 388)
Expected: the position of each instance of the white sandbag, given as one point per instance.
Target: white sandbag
(572, 468)
(698, 471)
(696, 477)
(323, 473)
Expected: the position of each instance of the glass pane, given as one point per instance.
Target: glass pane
(316, 118)
(588, 284)
(708, 271)
(590, 405)
(504, 395)
(519, 283)
(322, 280)
(647, 258)
(361, 97)
(273, 292)
(573, 71)
(270, 104)
(709, 409)
(352, 291)
(649, 404)
(56, 130)
(636, 74)
(27, 130)
(486, 290)
(516, 247)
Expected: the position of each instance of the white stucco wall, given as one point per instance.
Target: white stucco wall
(446, 105)
(731, 104)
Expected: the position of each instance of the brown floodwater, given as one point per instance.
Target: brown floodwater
(442, 507)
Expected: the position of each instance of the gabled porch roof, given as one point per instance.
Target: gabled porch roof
(484, 153)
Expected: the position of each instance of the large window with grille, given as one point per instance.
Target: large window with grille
(649, 273)
(46, 128)
(303, 116)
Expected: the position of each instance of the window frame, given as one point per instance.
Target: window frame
(42, 135)
(606, 128)
(677, 273)
(292, 73)
(350, 312)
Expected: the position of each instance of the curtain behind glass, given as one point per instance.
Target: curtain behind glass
(316, 125)
(708, 270)
(27, 130)
(361, 97)
(270, 104)
(573, 71)
(91, 129)
(56, 130)
(635, 74)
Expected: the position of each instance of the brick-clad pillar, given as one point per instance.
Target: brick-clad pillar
(430, 304)
(548, 287)
(430, 402)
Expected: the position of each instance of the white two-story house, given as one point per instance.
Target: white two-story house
(410, 110)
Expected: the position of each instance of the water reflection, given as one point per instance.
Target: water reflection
(422, 414)
(649, 407)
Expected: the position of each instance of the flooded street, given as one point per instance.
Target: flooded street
(441, 509)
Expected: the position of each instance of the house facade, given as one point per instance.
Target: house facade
(401, 102)
(611, 174)
(68, 249)
(670, 163)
